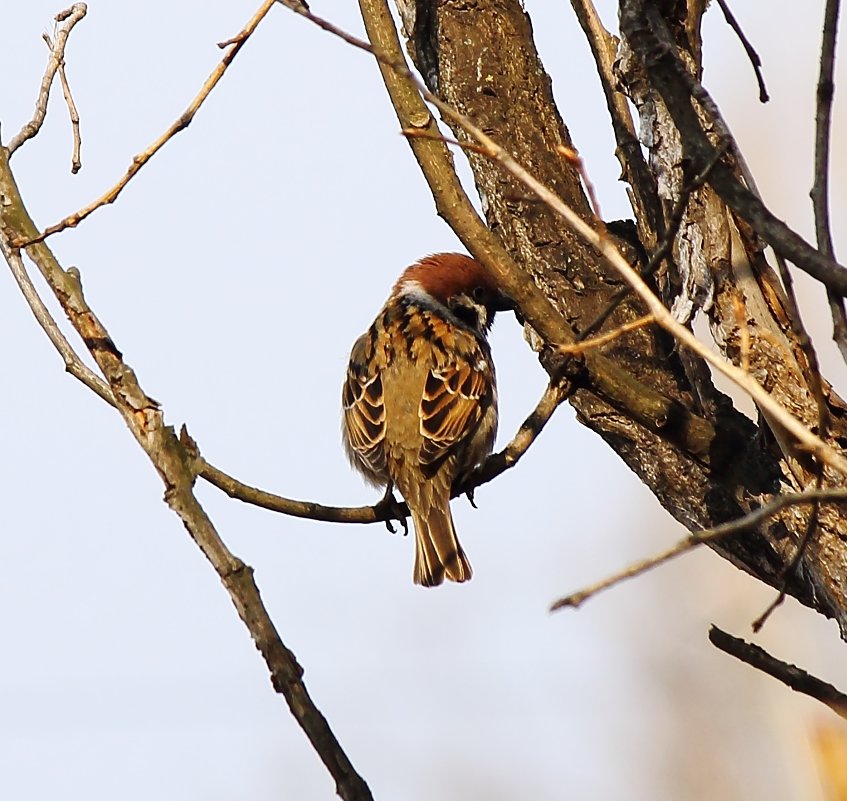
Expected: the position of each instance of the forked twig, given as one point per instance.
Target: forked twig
(69, 17)
(73, 364)
(73, 113)
(180, 124)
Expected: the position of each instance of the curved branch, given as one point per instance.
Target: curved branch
(382, 512)
(820, 188)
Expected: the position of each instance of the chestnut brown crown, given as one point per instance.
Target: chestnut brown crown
(458, 283)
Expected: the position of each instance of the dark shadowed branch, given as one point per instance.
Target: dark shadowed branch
(748, 48)
(790, 675)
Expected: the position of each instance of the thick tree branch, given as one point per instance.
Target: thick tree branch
(655, 411)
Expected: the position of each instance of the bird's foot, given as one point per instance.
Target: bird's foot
(394, 511)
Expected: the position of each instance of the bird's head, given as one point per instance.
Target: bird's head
(460, 284)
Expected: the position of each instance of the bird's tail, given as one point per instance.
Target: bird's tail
(438, 554)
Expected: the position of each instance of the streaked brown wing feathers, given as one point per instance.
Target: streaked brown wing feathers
(454, 400)
(364, 413)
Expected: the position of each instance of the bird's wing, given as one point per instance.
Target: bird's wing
(364, 409)
(455, 398)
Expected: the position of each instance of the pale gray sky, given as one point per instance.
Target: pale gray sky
(234, 274)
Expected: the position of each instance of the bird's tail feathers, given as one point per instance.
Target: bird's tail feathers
(438, 554)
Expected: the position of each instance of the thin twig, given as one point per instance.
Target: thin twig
(73, 363)
(748, 48)
(69, 17)
(575, 160)
(797, 679)
(180, 124)
(820, 188)
(595, 342)
(493, 466)
(417, 133)
(789, 569)
(73, 113)
(697, 538)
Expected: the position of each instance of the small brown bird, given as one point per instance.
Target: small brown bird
(420, 399)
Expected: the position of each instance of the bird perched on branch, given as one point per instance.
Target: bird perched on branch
(420, 399)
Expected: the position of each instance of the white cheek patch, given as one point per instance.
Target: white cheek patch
(414, 291)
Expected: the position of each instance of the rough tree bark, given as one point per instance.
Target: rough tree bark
(480, 58)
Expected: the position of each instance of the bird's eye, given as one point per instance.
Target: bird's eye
(478, 294)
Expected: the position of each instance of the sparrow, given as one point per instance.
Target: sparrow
(420, 399)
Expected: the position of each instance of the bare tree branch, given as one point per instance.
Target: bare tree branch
(493, 466)
(747, 523)
(73, 364)
(820, 188)
(748, 48)
(73, 113)
(145, 420)
(790, 675)
(180, 124)
(69, 17)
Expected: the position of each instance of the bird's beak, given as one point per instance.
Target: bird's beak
(503, 303)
